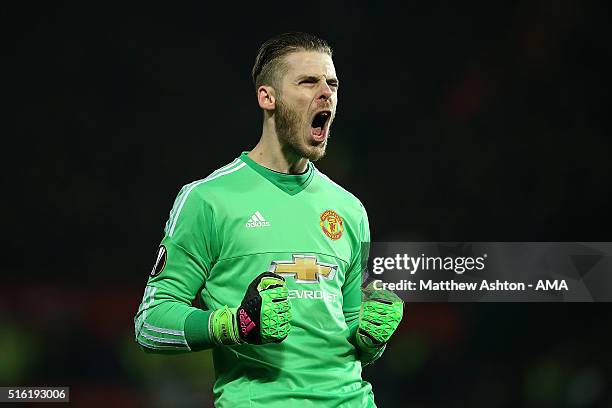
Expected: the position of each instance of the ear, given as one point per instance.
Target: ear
(266, 97)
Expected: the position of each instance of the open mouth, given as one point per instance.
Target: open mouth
(318, 126)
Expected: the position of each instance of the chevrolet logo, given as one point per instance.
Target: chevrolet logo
(304, 268)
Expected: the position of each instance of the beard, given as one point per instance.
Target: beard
(290, 128)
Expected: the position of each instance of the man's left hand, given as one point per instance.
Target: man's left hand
(381, 313)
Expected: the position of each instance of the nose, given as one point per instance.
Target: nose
(326, 92)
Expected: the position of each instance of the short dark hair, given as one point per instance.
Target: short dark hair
(269, 62)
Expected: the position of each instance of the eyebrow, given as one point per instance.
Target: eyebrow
(316, 79)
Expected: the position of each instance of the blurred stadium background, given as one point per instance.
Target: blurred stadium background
(485, 121)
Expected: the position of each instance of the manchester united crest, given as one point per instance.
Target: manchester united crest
(331, 224)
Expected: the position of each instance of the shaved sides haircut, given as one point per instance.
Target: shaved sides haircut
(269, 65)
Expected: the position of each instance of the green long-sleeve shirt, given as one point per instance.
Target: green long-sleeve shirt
(228, 228)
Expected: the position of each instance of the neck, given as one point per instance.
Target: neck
(273, 154)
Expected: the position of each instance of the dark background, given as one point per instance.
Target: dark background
(482, 121)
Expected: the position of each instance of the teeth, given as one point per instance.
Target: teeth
(320, 119)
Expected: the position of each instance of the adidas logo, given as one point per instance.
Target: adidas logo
(257, 220)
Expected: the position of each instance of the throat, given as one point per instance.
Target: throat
(284, 160)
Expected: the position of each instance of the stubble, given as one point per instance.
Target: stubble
(290, 128)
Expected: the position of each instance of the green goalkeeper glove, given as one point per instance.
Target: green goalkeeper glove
(380, 314)
(263, 316)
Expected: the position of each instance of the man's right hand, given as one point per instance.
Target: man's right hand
(264, 315)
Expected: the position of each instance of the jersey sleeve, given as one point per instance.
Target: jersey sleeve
(166, 321)
(351, 290)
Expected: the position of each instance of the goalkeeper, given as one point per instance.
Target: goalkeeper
(271, 251)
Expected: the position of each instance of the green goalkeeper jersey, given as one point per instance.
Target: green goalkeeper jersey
(225, 230)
